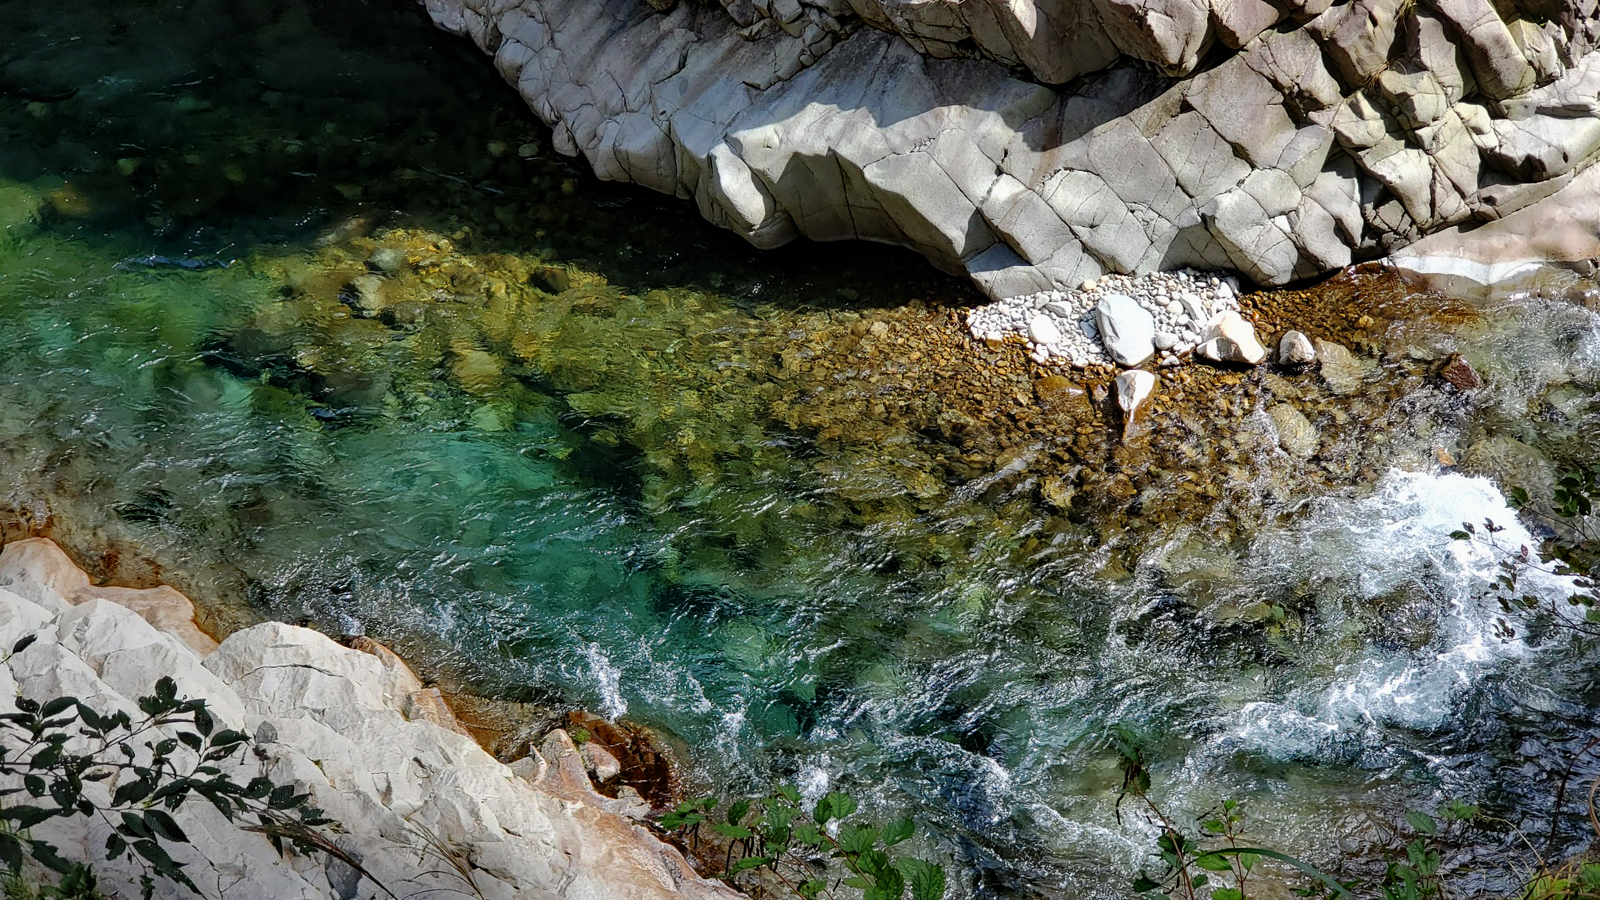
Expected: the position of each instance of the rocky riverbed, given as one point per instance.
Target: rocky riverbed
(371, 320)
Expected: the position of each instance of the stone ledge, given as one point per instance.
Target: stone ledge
(351, 728)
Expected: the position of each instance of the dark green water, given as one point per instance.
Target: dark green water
(581, 495)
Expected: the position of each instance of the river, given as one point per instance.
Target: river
(265, 320)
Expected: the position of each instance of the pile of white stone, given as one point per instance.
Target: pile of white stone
(1127, 321)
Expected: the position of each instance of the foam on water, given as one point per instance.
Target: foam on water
(607, 682)
(1399, 537)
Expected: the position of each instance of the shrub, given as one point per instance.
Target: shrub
(777, 834)
(174, 753)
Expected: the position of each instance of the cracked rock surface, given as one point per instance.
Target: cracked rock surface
(333, 722)
(1039, 143)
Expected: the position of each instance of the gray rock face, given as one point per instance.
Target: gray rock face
(1126, 329)
(330, 721)
(900, 120)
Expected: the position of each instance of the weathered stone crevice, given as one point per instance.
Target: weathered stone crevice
(1322, 134)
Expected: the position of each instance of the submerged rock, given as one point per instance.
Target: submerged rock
(1461, 374)
(387, 260)
(1296, 435)
(1340, 368)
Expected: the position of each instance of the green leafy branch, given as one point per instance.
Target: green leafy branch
(1573, 552)
(1219, 863)
(51, 752)
(776, 834)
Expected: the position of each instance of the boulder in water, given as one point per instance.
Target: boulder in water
(1340, 368)
(1229, 338)
(1460, 373)
(1133, 388)
(1295, 349)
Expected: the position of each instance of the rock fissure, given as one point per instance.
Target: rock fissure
(1451, 115)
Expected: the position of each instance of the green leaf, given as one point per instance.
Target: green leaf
(812, 888)
(26, 817)
(1227, 894)
(133, 825)
(281, 797)
(788, 792)
(164, 826)
(891, 884)
(737, 811)
(45, 855)
(258, 788)
(1422, 822)
(748, 863)
(857, 838)
(873, 862)
(131, 792)
(1306, 868)
(843, 805)
(228, 738)
(823, 811)
(115, 845)
(736, 832)
(898, 832)
(1144, 884)
(927, 881)
(57, 706)
(1213, 863)
(11, 851)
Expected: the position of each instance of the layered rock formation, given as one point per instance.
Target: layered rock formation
(357, 730)
(1038, 143)
(1535, 245)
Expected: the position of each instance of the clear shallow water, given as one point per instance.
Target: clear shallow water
(613, 523)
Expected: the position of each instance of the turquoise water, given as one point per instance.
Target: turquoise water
(588, 491)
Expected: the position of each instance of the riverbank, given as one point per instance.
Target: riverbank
(380, 754)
